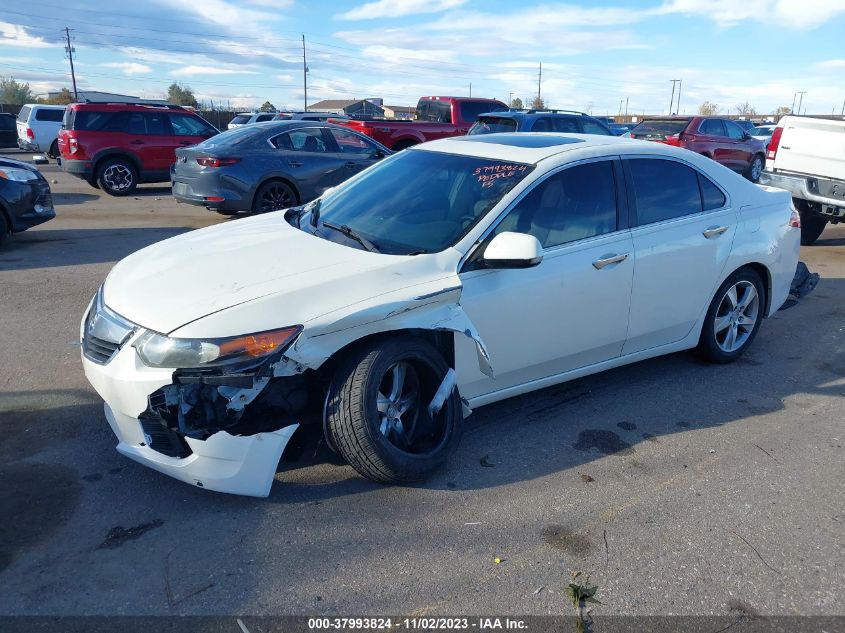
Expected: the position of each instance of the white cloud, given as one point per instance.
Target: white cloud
(189, 71)
(130, 68)
(16, 35)
(284, 77)
(795, 14)
(832, 63)
(397, 8)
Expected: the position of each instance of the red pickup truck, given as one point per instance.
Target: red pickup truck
(435, 117)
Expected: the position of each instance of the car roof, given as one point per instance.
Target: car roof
(45, 106)
(514, 114)
(118, 106)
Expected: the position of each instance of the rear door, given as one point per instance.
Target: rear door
(683, 228)
(712, 139)
(305, 155)
(157, 143)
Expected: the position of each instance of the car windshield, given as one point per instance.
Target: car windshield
(492, 125)
(660, 128)
(241, 118)
(761, 131)
(417, 201)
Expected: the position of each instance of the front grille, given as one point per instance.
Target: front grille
(160, 438)
(99, 350)
(104, 332)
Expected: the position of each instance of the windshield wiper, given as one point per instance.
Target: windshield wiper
(350, 233)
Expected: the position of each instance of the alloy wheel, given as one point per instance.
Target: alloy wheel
(756, 169)
(736, 316)
(117, 177)
(276, 197)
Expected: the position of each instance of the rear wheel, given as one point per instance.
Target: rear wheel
(273, 196)
(755, 168)
(54, 150)
(377, 411)
(733, 318)
(4, 226)
(117, 176)
(812, 225)
(226, 212)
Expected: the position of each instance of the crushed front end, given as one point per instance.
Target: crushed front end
(220, 428)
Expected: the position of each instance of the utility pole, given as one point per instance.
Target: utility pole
(70, 51)
(626, 107)
(801, 99)
(672, 99)
(510, 99)
(792, 109)
(470, 89)
(843, 109)
(304, 76)
(680, 84)
(539, 84)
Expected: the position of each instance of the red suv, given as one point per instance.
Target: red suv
(720, 139)
(115, 146)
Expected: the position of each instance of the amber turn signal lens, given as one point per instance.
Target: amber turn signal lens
(258, 344)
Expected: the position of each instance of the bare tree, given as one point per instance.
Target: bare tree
(708, 109)
(783, 111)
(745, 109)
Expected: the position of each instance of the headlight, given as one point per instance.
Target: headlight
(158, 350)
(18, 175)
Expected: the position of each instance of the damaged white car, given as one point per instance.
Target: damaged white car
(449, 276)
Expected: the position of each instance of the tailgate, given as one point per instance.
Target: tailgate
(812, 146)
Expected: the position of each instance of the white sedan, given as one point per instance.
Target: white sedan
(449, 276)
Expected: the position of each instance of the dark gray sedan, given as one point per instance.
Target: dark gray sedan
(269, 166)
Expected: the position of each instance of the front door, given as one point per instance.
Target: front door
(569, 311)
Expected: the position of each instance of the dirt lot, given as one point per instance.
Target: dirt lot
(679, 487)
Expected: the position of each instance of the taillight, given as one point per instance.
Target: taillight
(72, 145)
(29, 133)
(673, 139)
(216, 162)
(795, 219)
(773, 143)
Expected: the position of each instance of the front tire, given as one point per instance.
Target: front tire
(377, 411)
(812, 226)
(117, 177)
(733, 318)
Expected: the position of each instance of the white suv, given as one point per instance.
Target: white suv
(38, 127)
(245, 118)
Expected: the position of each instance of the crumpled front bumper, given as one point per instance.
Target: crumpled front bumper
(244, 465)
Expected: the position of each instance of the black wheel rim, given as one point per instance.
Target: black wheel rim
(402, 408)
(274, 198)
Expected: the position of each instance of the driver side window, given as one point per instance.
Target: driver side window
(573, 204)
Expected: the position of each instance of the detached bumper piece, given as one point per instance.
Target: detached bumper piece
(803, 283)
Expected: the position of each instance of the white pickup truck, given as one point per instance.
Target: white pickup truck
(806, 156)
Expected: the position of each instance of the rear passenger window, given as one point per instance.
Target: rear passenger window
(664, 189)
(542, 125)
(713, 127)
(573, 204)
(566, 124)
(711, 195)
(591, 127)
(301, 140)
(45, 114)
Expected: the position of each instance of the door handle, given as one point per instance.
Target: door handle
(714, 231)
(136, 142)
(185, 143)
(294, 163)
(607, 260)
(350, 164)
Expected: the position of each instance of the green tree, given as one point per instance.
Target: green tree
(14, 92)
(267, 107)
(708, 109)
(180, 94)
(538, 104)
(516, 103)
(64, 97)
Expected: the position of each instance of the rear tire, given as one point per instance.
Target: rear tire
(54, 150)
(226, 212)
(273, 196)
(733, 318)
(755, 169)
(117, 176)
(4, 226)
(377, 411)
(812, 226)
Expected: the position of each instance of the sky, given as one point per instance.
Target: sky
(596, 56)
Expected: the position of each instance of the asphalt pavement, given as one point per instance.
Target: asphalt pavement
(678, 487)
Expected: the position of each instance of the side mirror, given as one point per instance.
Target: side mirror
(513, 250)
(378, 155)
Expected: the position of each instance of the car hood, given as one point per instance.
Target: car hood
(188, 277)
